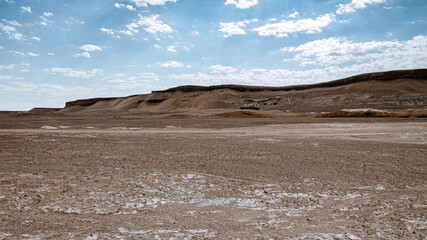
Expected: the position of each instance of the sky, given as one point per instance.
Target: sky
(53, 51)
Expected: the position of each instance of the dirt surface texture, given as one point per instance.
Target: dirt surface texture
(339, 160)
(168, 178)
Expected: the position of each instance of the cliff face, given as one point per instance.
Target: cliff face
(384, 90)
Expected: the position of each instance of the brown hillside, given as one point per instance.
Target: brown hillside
(384, 90)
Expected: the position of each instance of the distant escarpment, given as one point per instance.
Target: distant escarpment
(405, 89)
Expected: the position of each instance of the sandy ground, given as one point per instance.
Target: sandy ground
(213, 179)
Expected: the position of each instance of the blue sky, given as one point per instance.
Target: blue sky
(54, 51)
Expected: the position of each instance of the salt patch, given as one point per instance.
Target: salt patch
(92, 237)
(4, 235)
(49, 128)
(268, 140)
(197, 231)
(133, 205)
(352, 237)
(322, 236)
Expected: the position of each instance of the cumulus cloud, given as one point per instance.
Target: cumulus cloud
(107, 31)
(31, 54)
(51, 54)
(259, 76)
(333, 58)
(44, 21)
(68, 72)
(150, 24)
(7, 67)
(5, 76)
(90, 48)
(354, 5)
(47, 14)
(130, 82)
(19, 53)
(294, 15)
(11, 31)
(173, 64)
(171, 48)
(285, 27)
(145, 3)
(36, 38)
(26, 9)
(87, 48)
(217, 69)
(242, 4)
(383, 54)
(271, 77)
(234, 28)
(127, 6)
(83, 54)
(13, 23)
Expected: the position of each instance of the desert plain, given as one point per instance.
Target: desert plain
(213, 178)
(105, 169)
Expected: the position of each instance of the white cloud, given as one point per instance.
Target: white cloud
(44, 21)
(107, 31)
(217, 69)
(355, 4)
(83, 54)
(124, 81)
(195, 33)
(150, 24)
(173, 64)
(145, 3)
(294, 15)
(284, 27)
(242, 4)
(47, 14)
(171, 48)
(271, 77)
(19, 53)
(36, 38)
(11, 32)
(234, 28)
(51, 54)
(8, 67)
(381, 54)
(90, 48)
(31, 54)
(26, 9)
(127, 6)
(13, 23)
(68, 72)
(5, 76)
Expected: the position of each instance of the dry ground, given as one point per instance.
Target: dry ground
(295, 178)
